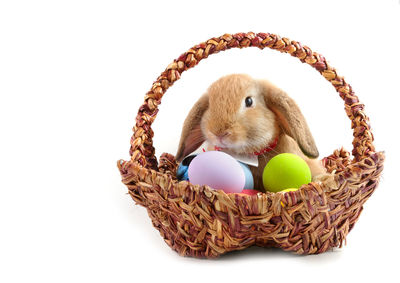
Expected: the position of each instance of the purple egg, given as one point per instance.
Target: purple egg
(217, 170)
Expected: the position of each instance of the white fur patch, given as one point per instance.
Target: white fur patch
(249, 159)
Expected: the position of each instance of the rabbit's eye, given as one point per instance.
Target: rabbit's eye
(248, 101)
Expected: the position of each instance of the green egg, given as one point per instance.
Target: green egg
(285, 171)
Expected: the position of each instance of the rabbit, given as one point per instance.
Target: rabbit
(242, 115)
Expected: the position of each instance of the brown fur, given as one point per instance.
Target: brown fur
(221, 118)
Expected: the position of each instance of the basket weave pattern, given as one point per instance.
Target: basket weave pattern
(201, 222)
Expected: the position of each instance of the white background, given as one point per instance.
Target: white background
(74, 73)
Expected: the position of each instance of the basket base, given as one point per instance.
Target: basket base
(200, 222)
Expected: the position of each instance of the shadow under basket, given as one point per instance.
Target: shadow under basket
(199, 221)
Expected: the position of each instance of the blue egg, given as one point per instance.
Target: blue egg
(249, 183)
(182, 171)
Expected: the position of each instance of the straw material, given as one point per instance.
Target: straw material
(201, 222)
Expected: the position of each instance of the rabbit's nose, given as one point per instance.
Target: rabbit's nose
(223, 135)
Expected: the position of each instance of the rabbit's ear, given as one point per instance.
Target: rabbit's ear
(192, 136)
(289, 117)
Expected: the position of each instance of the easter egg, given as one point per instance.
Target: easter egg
(285, 171)
(217, 170)
(182, 171)
(249, 183)
(249, 192)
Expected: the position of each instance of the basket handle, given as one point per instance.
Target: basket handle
(142, 150)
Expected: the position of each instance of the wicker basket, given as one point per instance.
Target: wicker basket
(201, 222)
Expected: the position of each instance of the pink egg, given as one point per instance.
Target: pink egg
(250, 192)
(217, 170)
